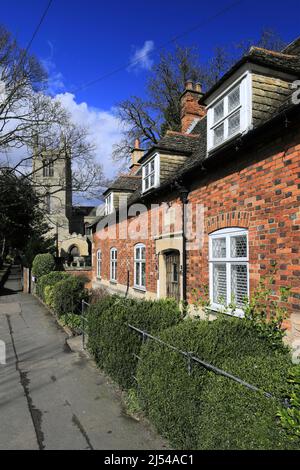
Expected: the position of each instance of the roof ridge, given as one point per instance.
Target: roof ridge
(128, 176)
(182, 134)
(276, 53)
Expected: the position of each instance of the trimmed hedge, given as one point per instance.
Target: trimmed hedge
(66, 295)
(205, 410)
(43, 264)
(111, 341)
(49, 280)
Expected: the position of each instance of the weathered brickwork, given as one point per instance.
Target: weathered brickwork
(258, 190)
(261, 193)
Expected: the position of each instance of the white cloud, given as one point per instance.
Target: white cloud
(55, 81)
(103, 126)
(141, 59)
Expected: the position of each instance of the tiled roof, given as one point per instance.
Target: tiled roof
(277, 60)
(194, 145)
(125, 183)
(176, 142)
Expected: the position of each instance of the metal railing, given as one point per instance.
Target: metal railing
(192, 358)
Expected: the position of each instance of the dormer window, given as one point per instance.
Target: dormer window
(109, 203)
(151, 173)
(229, 114)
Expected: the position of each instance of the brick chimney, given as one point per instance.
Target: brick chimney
(190, 107)
(136, 154)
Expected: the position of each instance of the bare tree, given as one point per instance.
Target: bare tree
(34, 123)
(148, 119)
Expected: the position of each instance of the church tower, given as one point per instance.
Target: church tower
(52, 178)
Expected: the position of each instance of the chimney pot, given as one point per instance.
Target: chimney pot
(198, 87)
(191, 109)
(137, 144)
(189, 85)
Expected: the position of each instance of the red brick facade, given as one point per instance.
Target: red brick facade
(258, 190)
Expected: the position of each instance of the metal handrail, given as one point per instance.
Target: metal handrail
(190, 357)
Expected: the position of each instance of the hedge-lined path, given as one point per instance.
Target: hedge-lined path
(51, 398)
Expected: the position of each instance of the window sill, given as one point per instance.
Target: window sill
(140, 289)
(225, 142)
(113, 282)
(220, 310)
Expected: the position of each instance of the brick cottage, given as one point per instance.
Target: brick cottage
(234, 167)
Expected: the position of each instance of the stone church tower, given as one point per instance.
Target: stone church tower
(52, 177)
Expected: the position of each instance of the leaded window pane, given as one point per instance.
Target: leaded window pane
(234, 123)
(234, 99)
(143, 283)
(239, 284)
(219, 134)
(137, 274)
(238, 246)
(219, 283)
(219, 247)
(218, 111)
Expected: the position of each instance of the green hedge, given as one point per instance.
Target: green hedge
(207, 411)
(43, 264)
(66, 295)
(49, 280)
(113, 344)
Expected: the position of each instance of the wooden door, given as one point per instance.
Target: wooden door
(173, 277)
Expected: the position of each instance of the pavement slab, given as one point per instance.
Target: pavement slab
(51, 397)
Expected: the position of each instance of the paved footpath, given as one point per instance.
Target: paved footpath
(51, 398)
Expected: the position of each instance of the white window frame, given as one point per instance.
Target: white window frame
(98, 264)
(245, 109)
(138, 263)
(113, 264)
(227, 233)
(109, 203)
(155, 172)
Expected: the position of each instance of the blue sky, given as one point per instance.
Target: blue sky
(81, 40)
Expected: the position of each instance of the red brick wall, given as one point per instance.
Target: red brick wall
(260, 191)
(88, 273)
(264, 191)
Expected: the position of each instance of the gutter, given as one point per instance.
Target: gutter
(183, 194)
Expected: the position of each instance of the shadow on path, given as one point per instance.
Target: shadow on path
(12, 285)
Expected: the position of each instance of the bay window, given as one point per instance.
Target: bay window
(229, 268)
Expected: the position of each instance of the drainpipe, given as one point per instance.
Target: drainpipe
(183, 194)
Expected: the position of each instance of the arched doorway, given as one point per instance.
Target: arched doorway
(74, 251)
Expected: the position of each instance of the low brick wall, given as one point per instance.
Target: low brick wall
(87, 272)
